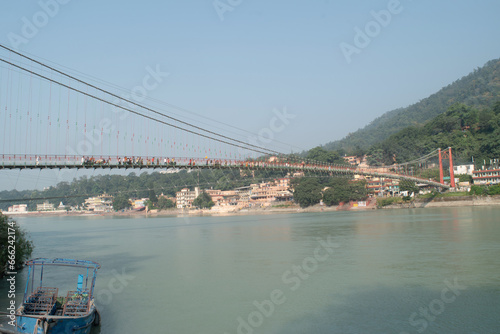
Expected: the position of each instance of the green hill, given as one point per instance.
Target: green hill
(479, 89)
(472, 133)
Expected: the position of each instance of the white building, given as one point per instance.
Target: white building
(18, 208)
(463, 169)
(185, 197)
(45, 206)
(487, 176)
(102, 203)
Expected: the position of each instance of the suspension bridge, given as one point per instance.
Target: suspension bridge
(54, 120)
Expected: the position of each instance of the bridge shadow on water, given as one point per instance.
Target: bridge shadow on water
(385, 310)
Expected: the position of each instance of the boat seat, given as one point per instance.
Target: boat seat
(41, 302)
(77, 303)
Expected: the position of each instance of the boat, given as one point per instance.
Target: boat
(46, 310)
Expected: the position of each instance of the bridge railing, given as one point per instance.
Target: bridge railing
(71, 161)
(34, 161)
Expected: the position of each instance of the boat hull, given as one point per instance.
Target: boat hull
(57, 324)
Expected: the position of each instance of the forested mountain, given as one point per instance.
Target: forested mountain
(472, 134)
(479, 89)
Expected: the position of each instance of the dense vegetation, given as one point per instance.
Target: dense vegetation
(321, 154)
(203, 201)
(472, 133)
(165, 203)
(17, 249)
(121, 202)
(310, 191)
(480, 89)
(485, 190)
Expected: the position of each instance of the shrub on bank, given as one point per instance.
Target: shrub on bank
(385, 201)
(485, 190)
(15, 246)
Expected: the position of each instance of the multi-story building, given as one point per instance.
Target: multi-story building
(486, 176)
(383, 186)
(260, 194)
(185, 197)
(230, 197)
(18, 208)
(244, 194)
(267, 192)
(101, 203)
(45, 206)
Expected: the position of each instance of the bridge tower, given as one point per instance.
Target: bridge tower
(443, 155)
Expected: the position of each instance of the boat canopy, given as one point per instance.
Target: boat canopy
(63, 262)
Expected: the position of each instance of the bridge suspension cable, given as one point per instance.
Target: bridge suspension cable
(248, 146)
(170, 105)
(418, 160)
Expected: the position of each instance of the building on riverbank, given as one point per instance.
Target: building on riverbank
(45, 206)
(256, 195)
(463, 169)
(18, 208)
(383, 186)
(184, 198)
(486, 176)
(102, 203)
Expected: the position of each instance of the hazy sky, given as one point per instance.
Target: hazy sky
(333, 65)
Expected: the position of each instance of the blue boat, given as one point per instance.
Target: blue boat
(44, 311)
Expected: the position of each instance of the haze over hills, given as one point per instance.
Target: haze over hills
(479, 89)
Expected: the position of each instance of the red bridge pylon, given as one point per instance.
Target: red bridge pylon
(443, 155)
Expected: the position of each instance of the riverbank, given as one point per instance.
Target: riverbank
(440, 202)
(448, 202)
(215, 211)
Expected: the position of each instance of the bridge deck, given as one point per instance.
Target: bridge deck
(73, 162)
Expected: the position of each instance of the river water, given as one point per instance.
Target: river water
(384, 271)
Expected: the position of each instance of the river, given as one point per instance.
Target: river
(384, 271)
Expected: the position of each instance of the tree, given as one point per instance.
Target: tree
(149, 204)
(464, 177)
(376, 157)
(478, 190)
(165, 203)
(320, 154)
(486, 121)
(14, 251)
(203, 201)
(121, 202)
(342, 190)
(496, 108)
(409, 186)
(152, 194)
(307, 192)
(494, 190)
